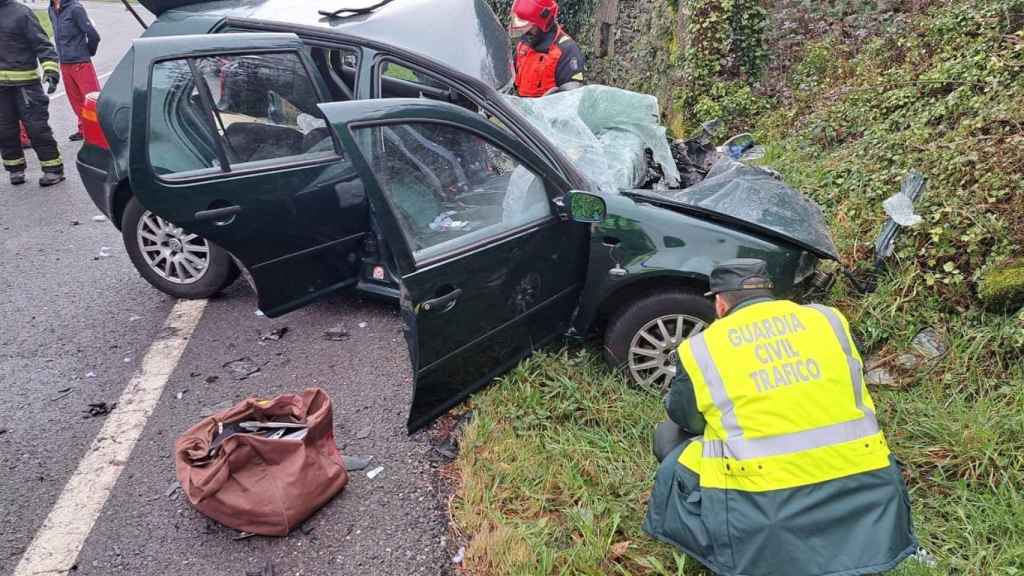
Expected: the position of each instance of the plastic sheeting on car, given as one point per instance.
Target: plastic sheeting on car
(758, 195)
(605, 132)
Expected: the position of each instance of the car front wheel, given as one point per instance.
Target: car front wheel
(174, 261)
(643, 336)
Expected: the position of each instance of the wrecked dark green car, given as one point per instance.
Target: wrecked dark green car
(314, 151)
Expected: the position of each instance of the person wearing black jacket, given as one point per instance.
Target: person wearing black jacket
(24, 47)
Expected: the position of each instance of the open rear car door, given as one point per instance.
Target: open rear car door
(228, 144)
(490, 267)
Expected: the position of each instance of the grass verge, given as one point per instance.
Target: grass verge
(555, 470)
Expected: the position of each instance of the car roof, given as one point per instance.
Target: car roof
(462, 34)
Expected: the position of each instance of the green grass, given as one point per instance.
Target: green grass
(44, 19)
(555, 469)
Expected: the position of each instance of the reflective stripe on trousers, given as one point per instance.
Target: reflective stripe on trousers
(737, 447)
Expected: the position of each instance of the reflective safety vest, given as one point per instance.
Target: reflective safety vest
(535, 70)
(781, 389)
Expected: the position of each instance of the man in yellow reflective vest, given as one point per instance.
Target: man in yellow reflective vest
(773, 463)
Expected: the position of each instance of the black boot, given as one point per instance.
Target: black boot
(51, 178)
(17, 178)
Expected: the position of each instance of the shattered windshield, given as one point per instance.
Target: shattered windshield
(613, 136)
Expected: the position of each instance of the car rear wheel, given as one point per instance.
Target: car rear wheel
(643, 336)
(174, 261)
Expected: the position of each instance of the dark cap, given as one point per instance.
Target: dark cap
(740, 274)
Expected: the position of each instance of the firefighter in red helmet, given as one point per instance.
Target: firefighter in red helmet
(547, 59)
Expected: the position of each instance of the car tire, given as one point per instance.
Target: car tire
(649, 361)
(175, 262)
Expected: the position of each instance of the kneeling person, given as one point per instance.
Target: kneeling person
(774, 464)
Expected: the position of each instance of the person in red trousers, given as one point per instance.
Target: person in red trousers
(77, 41)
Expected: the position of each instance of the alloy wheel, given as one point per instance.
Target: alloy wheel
(652, 352)
(177, 256)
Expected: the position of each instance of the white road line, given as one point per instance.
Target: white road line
(100, 77)
(58, 542)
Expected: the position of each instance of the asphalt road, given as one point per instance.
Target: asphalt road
(71, 318)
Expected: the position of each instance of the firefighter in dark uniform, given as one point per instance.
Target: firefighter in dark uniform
(547, 59)
(24, 47)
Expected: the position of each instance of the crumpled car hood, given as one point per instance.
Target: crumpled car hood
(758, 199)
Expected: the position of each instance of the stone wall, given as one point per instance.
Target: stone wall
(628, 44)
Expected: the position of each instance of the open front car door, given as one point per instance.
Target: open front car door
(490, 268)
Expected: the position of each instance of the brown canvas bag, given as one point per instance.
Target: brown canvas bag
(263, 485)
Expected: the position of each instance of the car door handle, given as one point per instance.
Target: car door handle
(443, 303)
(218, 214)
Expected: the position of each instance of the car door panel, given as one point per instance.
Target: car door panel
(474, 306)
(295, 221)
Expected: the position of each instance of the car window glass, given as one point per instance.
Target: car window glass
(265, 107)
(338, 67)
(262, 111)
(449, 187)
(181, 136)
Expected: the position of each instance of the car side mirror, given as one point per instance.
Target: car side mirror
(587, 207)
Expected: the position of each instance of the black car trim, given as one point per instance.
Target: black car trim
(311, 250)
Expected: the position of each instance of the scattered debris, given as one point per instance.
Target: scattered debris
(127, 359)
(212, 379)
(618, 550)
(908, 361)
(99, 218)
(448, 449)
(929, 343)
(62, 393)
(306, 527)
(373, 473)
(260, 314)
(900, 208)
(194, 374)
(363, 324)
(275, 334)
(103, 253)
(364, 432)
(880, 377)
(75, 222)
(336, 334)
(134, 318)
(171, 489)
(242, 368)
(99, 409)
(3, 431)
(355, 463)
(459, 556)
(181, 394)
(243, 536)
(925, 557)
(90, 374)
(911, 188)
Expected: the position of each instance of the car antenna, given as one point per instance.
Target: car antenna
(134, 13)
(349, 12)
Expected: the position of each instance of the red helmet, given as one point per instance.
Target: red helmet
(527, 13)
